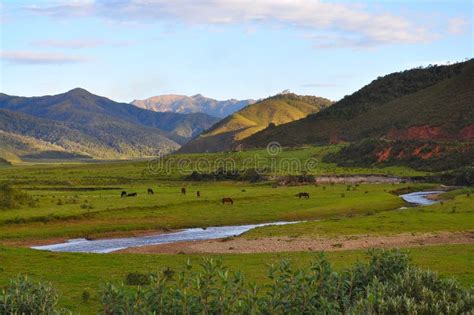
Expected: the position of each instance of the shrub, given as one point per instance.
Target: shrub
(22, 296)
(12, 198)
(386, 284)
(85, 296)
(252, 175)
(137, 278)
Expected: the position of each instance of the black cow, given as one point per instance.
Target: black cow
(132, 195)
(123, 194)
(150, 191)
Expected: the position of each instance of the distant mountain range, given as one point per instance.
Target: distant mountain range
(433, 103)
(80, 124)
(192, 104)
(276, 110)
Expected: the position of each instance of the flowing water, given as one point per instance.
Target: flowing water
(194, 234)
(113, 244)
(419, 197)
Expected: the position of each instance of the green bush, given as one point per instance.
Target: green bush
(22, 296)
(12, 198)
(137, 278)
(386, 284)
(85, 296)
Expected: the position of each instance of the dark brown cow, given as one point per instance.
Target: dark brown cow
(227, 200)
(198, 193)
(183, 191)
(123, 194)
(303, 195)
(150, 191)
(132, 195)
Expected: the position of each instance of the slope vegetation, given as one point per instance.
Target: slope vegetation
(434, 103)
(86, 124)
(24, 134)
(272, 111)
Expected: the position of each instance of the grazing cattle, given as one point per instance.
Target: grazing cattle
(303, 195)
(123, 194)
(183, 191)
(227, 200)
(150, 191)
(198, 193)
(132, 195)
(243, 190)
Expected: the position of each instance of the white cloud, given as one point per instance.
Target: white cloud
(457, 26)
(77, 44)
(358, 25)
(35, 58)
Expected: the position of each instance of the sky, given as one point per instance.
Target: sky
(135, 49)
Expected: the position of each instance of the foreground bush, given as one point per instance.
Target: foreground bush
(386, 284)
(22, 296)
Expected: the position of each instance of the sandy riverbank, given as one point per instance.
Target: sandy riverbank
(286, 244)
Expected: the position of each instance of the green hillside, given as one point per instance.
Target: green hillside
(434, 103)
(275, 110)
(26, 135)
(87, 125)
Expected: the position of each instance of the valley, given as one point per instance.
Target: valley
(96, 194)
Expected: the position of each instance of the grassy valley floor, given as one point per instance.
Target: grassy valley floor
(83, 201)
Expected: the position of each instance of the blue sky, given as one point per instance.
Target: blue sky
(223, 49)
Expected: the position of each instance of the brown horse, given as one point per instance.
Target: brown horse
(303, 195)
(227, 200)
(183, 191)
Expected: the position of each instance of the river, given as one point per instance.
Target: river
(193, 234)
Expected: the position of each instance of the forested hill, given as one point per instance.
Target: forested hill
(433, 103)
(81, 122)
(273, 111)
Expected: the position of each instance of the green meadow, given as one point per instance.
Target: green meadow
(73, 273)
(73, 200)
(456, 214)
(66, 212)
(288, 161)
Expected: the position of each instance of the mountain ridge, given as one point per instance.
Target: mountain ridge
(107, 129)
(197, 103)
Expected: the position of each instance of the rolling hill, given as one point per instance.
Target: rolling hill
(192, 104)
(88, 125)
(434, 103)
(276, 110)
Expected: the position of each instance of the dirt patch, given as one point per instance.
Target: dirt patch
(287, 244)
(467, 133)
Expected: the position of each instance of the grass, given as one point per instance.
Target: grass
(71, 274)
(67, 212)
(454, 214)
(176, 167)
(83, 200)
